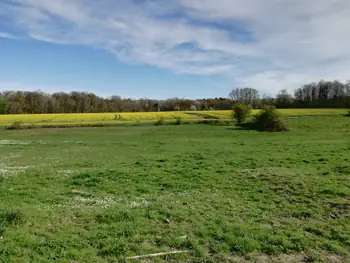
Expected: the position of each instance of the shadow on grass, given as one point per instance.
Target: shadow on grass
(277, 126)
(248, 126)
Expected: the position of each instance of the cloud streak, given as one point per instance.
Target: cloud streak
(7, 35)
(284, 43)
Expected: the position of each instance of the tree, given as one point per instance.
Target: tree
(193, 108)
(316, 94)
(247, 96)
(267, 100)
(241, 112)
(283, 98)
(3, 106)
(322, 94)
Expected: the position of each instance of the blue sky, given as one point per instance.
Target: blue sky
(172, 48)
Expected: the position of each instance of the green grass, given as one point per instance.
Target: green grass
(224, 194)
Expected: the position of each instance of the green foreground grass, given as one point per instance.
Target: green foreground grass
(223, 194)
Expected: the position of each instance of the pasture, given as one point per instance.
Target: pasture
(221, 193)
(43, 120)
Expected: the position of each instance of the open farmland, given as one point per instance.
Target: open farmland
(142, 117)
(219, 193)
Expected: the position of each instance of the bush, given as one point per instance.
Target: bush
(17, 125)
(348, 114)
(117, 117)
(178, 120)
(269, 119)
(160, 121)
(241, 112)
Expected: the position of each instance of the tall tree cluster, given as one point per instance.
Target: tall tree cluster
(247, 96)
(321, 94)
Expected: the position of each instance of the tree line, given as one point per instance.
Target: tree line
(25, 102)
(322, 94)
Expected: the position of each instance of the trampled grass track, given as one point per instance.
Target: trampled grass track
(142, 117)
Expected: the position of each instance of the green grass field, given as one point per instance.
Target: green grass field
(221, 193)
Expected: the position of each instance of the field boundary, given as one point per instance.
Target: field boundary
(131, 123)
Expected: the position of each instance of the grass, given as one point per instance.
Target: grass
(106, 119)
(224, 194)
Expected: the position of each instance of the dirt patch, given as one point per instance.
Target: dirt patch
(203, 116)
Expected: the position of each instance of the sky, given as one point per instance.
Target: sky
(172, 48)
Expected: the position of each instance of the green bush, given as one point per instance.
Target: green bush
(178, 120)
(241, 112)
(160, 121)
(348, 114)
(118, 117)
(269, 119)
(17, 125)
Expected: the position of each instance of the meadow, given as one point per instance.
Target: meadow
(142, 117)
(218, 192)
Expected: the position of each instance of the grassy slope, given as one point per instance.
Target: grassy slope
(217, 191)
(143, 117)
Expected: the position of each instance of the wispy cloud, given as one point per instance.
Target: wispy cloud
(268, 44)
(7, 35)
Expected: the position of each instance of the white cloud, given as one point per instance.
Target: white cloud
(284, 43)
(7, 35)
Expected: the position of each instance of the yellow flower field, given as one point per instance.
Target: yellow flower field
(132, 117)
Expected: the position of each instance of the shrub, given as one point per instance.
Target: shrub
(178, 120)
(241, 112)
(160, 121)
(348, 114)
(117, 117)
(269, 119)
(17, 125)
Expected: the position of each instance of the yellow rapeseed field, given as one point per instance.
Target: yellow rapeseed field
(131, 117)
